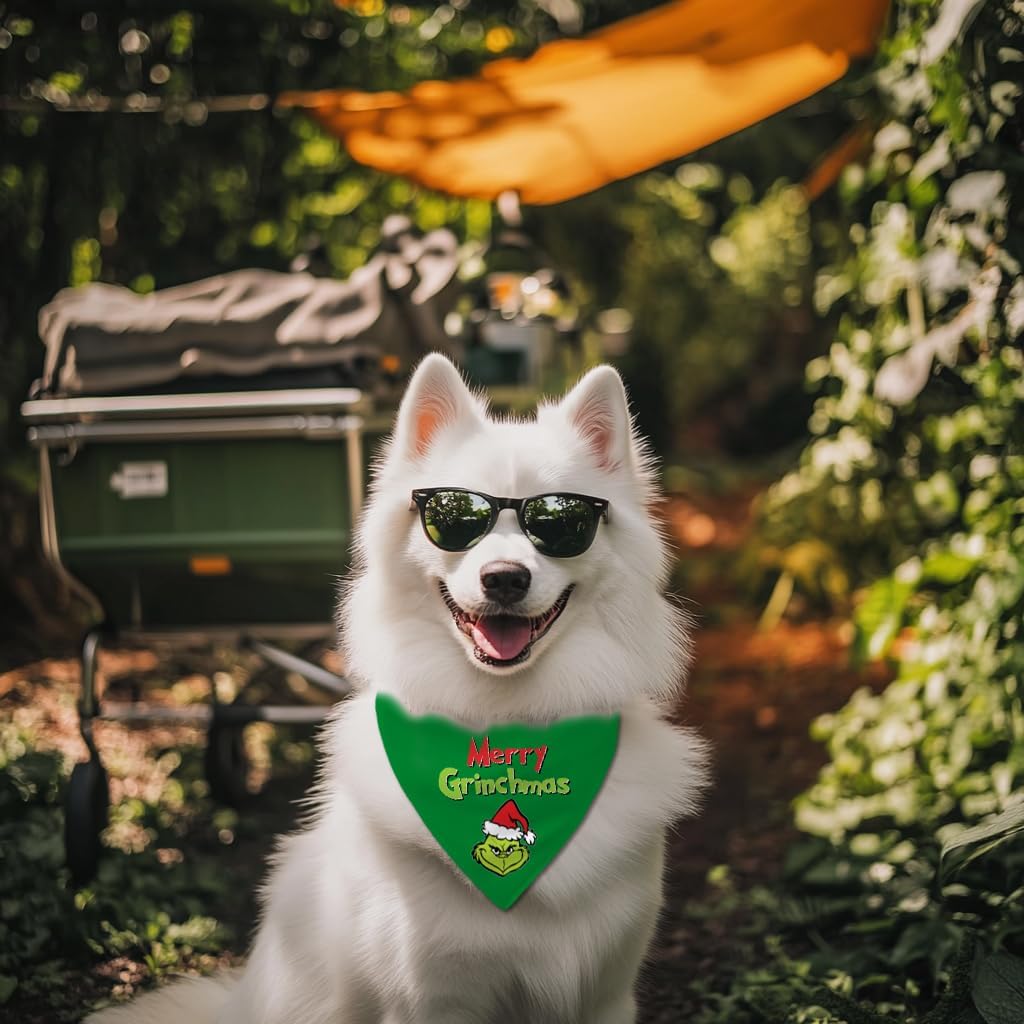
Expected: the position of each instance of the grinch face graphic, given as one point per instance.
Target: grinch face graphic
(505, 847)
(501, 856)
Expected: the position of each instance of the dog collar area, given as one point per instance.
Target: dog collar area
(503, 801)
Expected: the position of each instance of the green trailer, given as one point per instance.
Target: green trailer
(197, 518)
(203, 509)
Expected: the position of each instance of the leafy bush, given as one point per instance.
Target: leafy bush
(916, 429)
(915, 483)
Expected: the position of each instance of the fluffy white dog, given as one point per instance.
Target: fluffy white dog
(365, 919)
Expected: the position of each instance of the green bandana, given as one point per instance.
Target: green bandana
(502, 801)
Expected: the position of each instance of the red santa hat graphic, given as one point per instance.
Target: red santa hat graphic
(509, 823)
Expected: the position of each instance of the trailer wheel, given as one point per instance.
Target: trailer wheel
(227, 767)
(88, 801)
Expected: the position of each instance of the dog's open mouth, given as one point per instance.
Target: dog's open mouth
(504, 640)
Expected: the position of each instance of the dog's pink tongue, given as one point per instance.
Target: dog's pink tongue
(502, 637)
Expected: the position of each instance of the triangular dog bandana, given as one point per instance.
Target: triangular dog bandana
(503, 801)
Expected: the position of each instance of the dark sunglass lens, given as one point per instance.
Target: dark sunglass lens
(456, 520)
(559, 525)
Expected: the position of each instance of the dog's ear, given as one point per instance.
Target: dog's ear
(436, 398)
(598, 410)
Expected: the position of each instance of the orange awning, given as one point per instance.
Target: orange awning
(582, 112)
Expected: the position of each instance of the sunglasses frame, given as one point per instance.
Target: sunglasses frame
(422, 495)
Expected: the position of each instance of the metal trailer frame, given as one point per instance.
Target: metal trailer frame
(59, 428)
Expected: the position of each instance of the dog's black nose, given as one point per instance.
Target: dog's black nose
(505, 582)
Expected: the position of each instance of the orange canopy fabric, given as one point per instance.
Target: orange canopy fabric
(582, 112)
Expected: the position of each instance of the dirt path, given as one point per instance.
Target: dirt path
(753, 695)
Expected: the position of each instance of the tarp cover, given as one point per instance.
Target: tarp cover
(582, 112)
(106, 339)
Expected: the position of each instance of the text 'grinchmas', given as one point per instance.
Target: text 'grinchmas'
(457, 787)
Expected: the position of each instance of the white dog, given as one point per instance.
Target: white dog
(365, 919)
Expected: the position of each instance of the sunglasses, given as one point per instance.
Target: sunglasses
(559, 525)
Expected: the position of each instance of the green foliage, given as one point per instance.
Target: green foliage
(972, 843)
(999, 990)
(730, 273)
(716, 267)
(915, 482)
(145, 906)
(893, 940)
(916, 427)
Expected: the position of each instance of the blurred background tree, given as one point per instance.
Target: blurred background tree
(154, 199)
